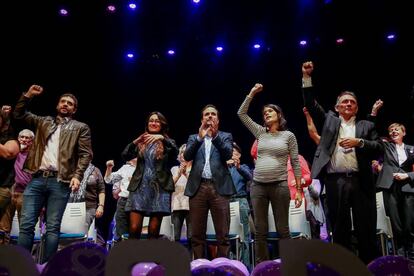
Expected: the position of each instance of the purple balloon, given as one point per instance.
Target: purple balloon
(314, 269)
(40, 267)
(229, 269)
(267, 268)
(240, 266)
(219, 261)
(391, 265)
(197, 262)
(204, 270)
(148, 269)
(83, 258)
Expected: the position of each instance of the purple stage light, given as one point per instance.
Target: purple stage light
(196, 1)
(111, 8)
(132, 6)
(63, 12)
(171, 52)
(303, 43)
(257, 46)
(391, 36)
(130, 55)
(219, 48)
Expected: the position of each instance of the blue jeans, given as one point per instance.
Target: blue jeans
(244, 220)
(43, 192)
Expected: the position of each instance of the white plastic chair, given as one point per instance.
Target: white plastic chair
(15, 229)
(298, 222)
(92, 232)
(298, 225)
(384, 228)
(167, 228)
(73, 223)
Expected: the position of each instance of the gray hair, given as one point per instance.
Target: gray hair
(343, 93)
(26, 132)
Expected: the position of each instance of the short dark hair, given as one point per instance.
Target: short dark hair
(281, 116)
(207, 106)
(236, 147)
(70, 95)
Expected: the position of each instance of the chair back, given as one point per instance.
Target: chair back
(167, 228)
(74, 218)
(298, 223)
(271, 220)
(236, 227)
(297, 220)
(92, 232)
(15, 229)
(383, 221)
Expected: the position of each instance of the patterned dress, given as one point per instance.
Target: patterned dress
(149, 198)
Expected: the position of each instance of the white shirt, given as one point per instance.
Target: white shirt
(207, 170)
(344, 160)
(50, 155)
(120, 179)
(178, 200)
(402, 155)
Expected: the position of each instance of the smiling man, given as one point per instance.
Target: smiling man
(343, 163)
(60, 154)
(396, 180)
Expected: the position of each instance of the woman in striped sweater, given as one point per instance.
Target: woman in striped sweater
(275, 145)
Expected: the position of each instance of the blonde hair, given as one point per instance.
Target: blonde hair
(397, 125)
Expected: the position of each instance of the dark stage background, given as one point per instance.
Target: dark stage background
(84, 53)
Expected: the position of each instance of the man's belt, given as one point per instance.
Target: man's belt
(45, 174)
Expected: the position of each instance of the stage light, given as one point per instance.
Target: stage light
(303, 43)
(219, 48)
(196, 1)
(132, 6)
(257, 46)
(130, 55)
(111, 8)
(63, 12)
(171, 52)
(391, 36)
(339, 41)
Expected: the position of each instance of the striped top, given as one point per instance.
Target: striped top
(272, 151)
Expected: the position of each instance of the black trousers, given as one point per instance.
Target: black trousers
(399, 206)
(344, 192)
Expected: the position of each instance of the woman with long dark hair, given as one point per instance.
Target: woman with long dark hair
(151, 184)
(275, 145)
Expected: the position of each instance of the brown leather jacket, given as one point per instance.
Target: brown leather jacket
(75, 149)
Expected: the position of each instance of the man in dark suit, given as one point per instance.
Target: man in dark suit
(209, 184)
(343, 162)
(396, 181)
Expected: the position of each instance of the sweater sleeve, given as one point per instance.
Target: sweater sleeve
(254, 127)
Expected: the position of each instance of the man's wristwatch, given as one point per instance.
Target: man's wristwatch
(361, 143)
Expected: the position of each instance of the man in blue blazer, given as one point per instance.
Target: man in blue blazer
(396, 181)
(209, 184)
